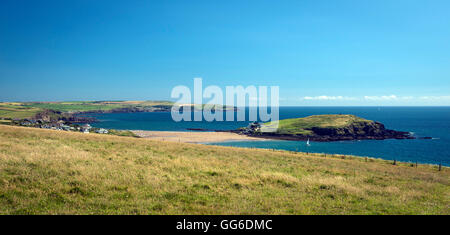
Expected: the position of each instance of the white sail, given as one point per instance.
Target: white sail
(307, 142)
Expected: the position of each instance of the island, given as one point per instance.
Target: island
(333, 127)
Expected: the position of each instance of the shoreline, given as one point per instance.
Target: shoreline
(193, 136)
(207, 138)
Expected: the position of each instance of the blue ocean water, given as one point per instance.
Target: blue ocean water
(422, 121)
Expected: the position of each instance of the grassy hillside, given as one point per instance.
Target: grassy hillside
(17, 111)
(85, 106)
(303, 125)
(21, 110)
(55, 172)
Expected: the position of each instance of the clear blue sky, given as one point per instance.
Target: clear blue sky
(361, 52)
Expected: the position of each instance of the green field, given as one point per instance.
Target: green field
(302, 126)
(17, 111)
(122, 133)
(86, 106)
(73, 107)
(21, 110)
(57, 172)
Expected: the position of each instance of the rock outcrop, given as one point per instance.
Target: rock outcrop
(53, 116)
(353, 129)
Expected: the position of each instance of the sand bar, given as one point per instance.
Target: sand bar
(193, 136)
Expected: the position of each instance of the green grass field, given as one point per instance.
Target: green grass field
(17, 111)
(301, 126)
(56, 172)
(122, 133)
(21, 110)
(85, 106)
(73, 107)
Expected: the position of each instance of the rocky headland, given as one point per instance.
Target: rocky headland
(324, 128)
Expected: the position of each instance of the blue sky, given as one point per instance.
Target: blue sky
(393, 52)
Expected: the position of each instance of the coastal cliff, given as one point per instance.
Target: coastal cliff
(325, 128)
(54, 116)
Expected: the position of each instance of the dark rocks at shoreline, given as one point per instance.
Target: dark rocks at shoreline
(355, 131)
(425, 138)
(139, 109)
(78, 119)
(197, 129)
(325, 138)
(130, 110)
(50, 116)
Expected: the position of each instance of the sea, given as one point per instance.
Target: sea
(420, 121)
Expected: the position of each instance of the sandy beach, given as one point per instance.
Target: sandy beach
(192, 137)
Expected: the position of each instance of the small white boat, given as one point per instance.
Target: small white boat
(307, 143)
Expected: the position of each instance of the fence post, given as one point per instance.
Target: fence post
(440, 166)
(395, 162)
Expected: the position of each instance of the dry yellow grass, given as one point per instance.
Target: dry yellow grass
(55, 172)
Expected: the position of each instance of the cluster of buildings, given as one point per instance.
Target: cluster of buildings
(61, 125)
